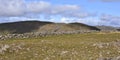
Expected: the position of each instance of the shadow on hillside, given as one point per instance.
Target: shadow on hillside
(83, 26)
(22, 27)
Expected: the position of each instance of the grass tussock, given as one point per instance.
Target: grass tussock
(89, 46)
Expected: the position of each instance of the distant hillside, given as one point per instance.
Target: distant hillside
(107, 28)
(22, 26)
(40, 26)
(118, 29)
(81, 26)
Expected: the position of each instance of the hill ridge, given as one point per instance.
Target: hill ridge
(41, 26)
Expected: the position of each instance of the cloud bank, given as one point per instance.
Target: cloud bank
(110, 19)
(11, 8)
(14, 10)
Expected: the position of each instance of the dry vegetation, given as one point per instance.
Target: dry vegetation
(89, 46)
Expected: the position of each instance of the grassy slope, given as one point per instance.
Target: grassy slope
(66, 27)
(63, 47)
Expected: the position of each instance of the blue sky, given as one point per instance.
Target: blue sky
(91, 12)
(92, 6)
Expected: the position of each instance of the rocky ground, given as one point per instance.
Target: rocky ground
(41, 34)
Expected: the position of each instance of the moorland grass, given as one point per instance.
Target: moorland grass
(89, 46)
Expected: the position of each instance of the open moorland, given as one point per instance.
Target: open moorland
(87, 46)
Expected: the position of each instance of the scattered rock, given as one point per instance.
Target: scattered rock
(40, 34)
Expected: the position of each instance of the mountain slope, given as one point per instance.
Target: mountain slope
(82, 26)
(108, 28)
(22, 26)
(40, 26)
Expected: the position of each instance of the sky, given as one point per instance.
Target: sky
(91, 12)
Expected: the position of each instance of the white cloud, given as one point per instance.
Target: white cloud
(37, 7)
(12, 8)
(66, 20)
(64, 8)
(89, 21)
(105, 19)
(110, 19)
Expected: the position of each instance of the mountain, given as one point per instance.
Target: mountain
(41, 26)
(118, 29)
(108, 28)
